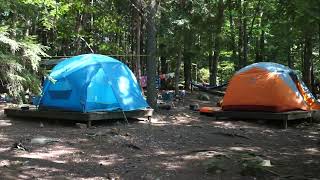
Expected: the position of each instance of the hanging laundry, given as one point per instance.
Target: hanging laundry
(143, 81)
(162, 76)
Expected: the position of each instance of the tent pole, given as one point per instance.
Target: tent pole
(42, 93)
(125, 117)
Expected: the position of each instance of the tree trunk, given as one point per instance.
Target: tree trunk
(257, 50)
(151, 52)
(92, 16)
(187, 55)
(142, 45)
(261, 44)
(289, 59)
(245, 35)
(259, 40)
(13, 34)
(313, 88)
(317, 80)
(132, 48)
(28, 27)
(233, 36)
(214, 68)
(164, 65)
(210, 59)
(307, 60)
(78, 30)
(240, 35)
(137, 24)
(163, 61)
(217, 43)
(187, 70)
(177, 72)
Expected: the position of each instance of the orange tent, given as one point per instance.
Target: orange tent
(268, 86)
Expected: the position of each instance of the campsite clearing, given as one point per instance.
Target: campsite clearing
(178, 144)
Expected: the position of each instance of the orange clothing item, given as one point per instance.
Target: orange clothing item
(209, 109)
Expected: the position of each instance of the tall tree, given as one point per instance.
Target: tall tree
(177, 70)
(151, 54)
(232, 31)
(307, 11)
(137, 26)
(218, 40)
(240, 62)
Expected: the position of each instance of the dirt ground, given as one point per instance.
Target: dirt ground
(177, 144)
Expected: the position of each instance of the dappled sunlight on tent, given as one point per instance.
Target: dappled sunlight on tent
(272, 75)
(123, 85)
(127, 101)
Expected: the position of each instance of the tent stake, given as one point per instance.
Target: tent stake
(125, 117)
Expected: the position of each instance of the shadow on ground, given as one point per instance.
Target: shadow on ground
(177, 144)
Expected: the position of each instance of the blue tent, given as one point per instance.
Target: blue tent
(92, 82)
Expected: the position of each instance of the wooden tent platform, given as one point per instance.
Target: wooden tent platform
(257, 115)
(77, 116)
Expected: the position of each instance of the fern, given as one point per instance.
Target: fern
(14, 45)
(19, 63)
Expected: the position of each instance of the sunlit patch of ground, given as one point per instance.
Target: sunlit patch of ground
(313, 151)
(250, 149)
(53, 153)
(4, 123)
(108, 160)
(201, 155)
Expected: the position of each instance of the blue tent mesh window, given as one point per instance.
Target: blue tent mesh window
(59, 94)
(60, 90)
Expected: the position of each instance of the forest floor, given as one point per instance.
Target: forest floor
(177, 144)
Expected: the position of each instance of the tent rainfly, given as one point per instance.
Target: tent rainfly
(92, 82)
(268, 86)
